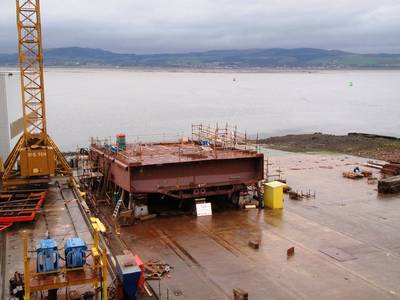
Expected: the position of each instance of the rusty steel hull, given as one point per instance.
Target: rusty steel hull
(197, 178)
(228, 171)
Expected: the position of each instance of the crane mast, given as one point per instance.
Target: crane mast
(39, 157)
(31, 70)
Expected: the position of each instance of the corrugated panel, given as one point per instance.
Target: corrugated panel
(4, 130)
(17, 127)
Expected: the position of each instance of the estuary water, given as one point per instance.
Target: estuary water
(102, 102)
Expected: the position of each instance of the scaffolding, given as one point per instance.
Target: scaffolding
(225, 137)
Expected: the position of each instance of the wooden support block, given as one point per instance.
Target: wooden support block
(239, 294)
(126, 218)
(255, 244)
(290, 251)
(389, 185)
(250, 206)
(148, 217)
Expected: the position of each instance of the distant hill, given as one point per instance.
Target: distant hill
(252, 58)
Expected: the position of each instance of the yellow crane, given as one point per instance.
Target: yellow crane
(35, 157)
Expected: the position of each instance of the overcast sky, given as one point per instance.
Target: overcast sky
(154, 26)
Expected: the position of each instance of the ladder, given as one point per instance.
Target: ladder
(117, 207)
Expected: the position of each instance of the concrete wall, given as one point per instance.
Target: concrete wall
(4, 121)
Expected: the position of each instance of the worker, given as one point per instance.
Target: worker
(356, 170)
(116, 197)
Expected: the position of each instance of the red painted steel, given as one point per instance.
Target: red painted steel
(20, 207)
(4, 226)
(181, 170)
(141, 266)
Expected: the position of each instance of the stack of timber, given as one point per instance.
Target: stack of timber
(389, 185)
(391, 169)
(374, 164)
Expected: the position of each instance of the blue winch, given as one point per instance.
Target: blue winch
(75, 253)
(47, 256)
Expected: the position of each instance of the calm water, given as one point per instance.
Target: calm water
(84, 103)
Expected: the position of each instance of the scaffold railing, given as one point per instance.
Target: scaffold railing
(226, 136)
(140, 138)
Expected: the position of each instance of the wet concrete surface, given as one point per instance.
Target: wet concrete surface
(347, 219)
(60, 218)
(347, 241)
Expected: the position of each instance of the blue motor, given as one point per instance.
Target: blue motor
(75, 253)
(47, 256)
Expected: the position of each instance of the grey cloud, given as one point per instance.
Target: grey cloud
(188, 25)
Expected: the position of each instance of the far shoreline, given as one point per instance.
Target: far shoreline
(203, 70)
(386, 148)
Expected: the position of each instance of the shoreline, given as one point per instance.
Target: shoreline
(372, 146)
(201, 70)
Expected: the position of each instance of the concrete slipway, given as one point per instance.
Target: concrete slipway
(347, 240)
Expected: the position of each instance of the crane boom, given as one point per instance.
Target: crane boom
(39, 157)
(31, 70)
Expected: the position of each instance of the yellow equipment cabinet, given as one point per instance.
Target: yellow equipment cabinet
(37, 161)
(273, 194)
